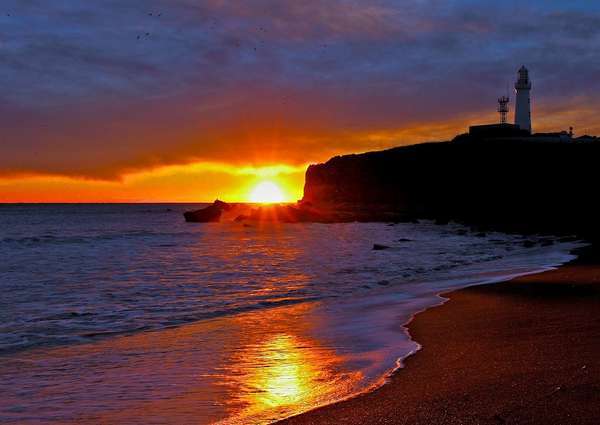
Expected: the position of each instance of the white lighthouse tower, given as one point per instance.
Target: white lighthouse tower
(523, 105)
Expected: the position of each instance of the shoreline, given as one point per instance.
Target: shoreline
(182, 358)
(571, 286)
(442, 298)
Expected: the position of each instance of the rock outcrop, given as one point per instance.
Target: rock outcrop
(210, 214)
(513, 184)
(282, 213)
(516, 184)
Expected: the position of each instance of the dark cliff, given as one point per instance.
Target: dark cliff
(523, 184)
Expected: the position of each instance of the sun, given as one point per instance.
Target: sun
(266, 192)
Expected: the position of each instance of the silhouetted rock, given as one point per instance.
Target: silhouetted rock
(517, 184)
(378, 247)
(290, 214)
(223, 205)
(210, 214)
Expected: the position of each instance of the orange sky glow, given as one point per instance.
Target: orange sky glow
(204, 181)
(184, 183)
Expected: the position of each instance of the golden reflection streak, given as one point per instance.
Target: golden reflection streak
(285, 375)
(288, 379)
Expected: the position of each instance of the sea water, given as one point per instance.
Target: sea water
(124, 313)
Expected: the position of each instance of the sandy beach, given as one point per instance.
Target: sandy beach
(518, 352)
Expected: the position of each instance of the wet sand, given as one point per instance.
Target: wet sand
(520, 352)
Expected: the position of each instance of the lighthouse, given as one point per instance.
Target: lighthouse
(523, 105)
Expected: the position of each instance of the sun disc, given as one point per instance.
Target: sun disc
(266, 192)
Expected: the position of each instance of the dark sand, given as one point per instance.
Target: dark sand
(519, 352)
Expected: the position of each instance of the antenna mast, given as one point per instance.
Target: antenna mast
(503, 108)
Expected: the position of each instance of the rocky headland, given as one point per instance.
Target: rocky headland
(516, 184)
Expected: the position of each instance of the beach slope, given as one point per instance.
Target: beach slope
(519, 352)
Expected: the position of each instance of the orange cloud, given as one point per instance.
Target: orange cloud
(199, 182)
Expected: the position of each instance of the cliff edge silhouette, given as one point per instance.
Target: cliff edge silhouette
(516, 184)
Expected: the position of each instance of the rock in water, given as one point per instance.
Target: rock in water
(378, 247)
(210, 214)
(224, 206)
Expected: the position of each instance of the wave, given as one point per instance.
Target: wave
(162, 274)
(84, 239)
(41, 338)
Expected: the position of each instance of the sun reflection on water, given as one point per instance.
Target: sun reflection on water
(285, 375)
(251, 368)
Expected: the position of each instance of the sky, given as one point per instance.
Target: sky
(190, 100)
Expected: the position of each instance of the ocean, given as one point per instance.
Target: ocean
(124, 313)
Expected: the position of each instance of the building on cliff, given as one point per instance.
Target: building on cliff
(522, 125)
(521, 129)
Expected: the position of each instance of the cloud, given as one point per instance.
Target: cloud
(103, 89)
(190, 183)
